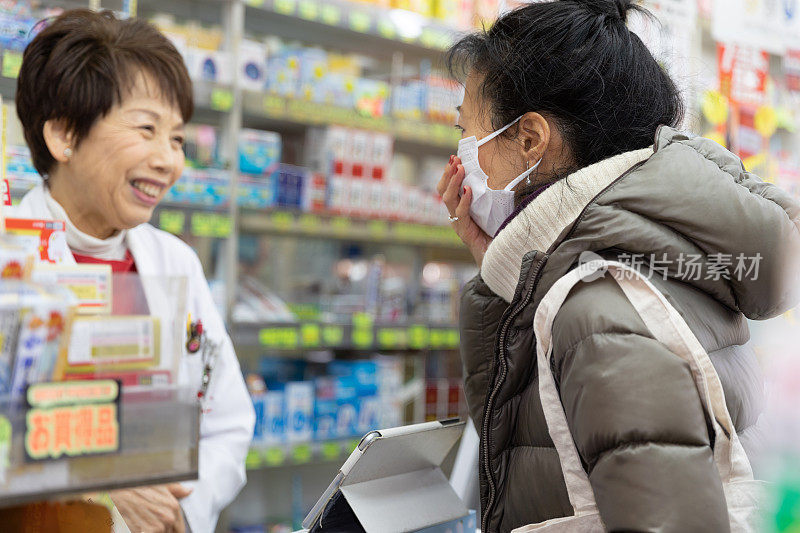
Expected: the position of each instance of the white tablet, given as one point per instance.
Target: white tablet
(392, 482)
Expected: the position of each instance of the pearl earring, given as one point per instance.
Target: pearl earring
(67, 152)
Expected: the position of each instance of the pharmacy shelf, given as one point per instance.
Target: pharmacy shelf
(260, 106)
(158, 444)
(347, 228)
(286, 455)
(338, 23)
(361, 334)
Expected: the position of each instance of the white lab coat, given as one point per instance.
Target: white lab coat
(226, 425)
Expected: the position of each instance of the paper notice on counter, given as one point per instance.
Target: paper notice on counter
(121, 342)
(91, 284)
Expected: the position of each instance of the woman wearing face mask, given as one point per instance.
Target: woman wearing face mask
(569, 147)
(103, 104)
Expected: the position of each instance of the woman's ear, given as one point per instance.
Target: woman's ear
(534, 134)
(58, 139)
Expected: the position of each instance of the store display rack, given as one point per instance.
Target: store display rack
(158, 443)
(301, 453)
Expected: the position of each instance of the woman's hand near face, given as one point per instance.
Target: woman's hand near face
(474, 237)
(153, 509)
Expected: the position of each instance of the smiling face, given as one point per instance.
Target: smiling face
(123, 168)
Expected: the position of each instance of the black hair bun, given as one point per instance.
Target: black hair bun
(622, 8)
(611, 9)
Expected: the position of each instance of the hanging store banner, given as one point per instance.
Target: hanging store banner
(743, 73)
(771, 25)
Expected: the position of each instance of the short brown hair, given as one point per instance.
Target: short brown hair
(81, 65)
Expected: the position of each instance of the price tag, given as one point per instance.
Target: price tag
(282, 220)
(362, 320)
(418, 337)
(331, 15)
(283, 337)
(221, 226)
(378, 229)
(172, 221)
(12, 61)
(202, 225)
(308, 10)
(274, 456)
(5, 446)
(309, 223)
(332, 336)
(310, 335)
(221, 99)
(331, 450)
(437, 338)
(363, 338)
(391, 338)
(253, 460)
(273, 106)
(453, 338)
(360, 21)
(285, 7)
(386, 29)
(255, 3)
(341, 225)
(301, 453)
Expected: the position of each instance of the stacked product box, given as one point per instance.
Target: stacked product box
(352, 398)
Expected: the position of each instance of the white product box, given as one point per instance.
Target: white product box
(274, 431)
(252, 65)
(299, 411)
(209, 65)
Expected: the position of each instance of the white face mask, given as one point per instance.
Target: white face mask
(490, 207)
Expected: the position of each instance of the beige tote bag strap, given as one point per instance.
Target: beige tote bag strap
(669, 328)
(579, 490)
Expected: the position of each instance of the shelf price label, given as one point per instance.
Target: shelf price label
(282, 337)
(310, 335)
(172, 221)
(332, 336)
(391, 338)
(273, 106)
(12, 61)
(72, 418)
(378, 229)
(363, 337)
(253, 460)
(282, 220)
(211, 225)
(362, 320)
(274, 456)
(309, 222)
(308, 10)
(330, 450)
(360, 21)
(255, 3)
(301, 454)
(221, 99)
(386, 29)
(331, 15)
(437, 338)
(285, 7)
(418, 337)
(341, 225)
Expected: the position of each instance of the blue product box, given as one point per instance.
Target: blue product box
(259, 152)
(346, 407)
(465, 524)
(274, 418)
(325, 408)
(260, 409)
(369, 414)
(365, 374)
(290, 184)
(299, 398)
(257, 193)
(276, 372)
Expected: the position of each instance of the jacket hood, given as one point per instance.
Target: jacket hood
(686, 209)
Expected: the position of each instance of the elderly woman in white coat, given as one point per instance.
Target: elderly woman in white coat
(103, 104)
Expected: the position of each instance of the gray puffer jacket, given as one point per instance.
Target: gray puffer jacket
(720, 244)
